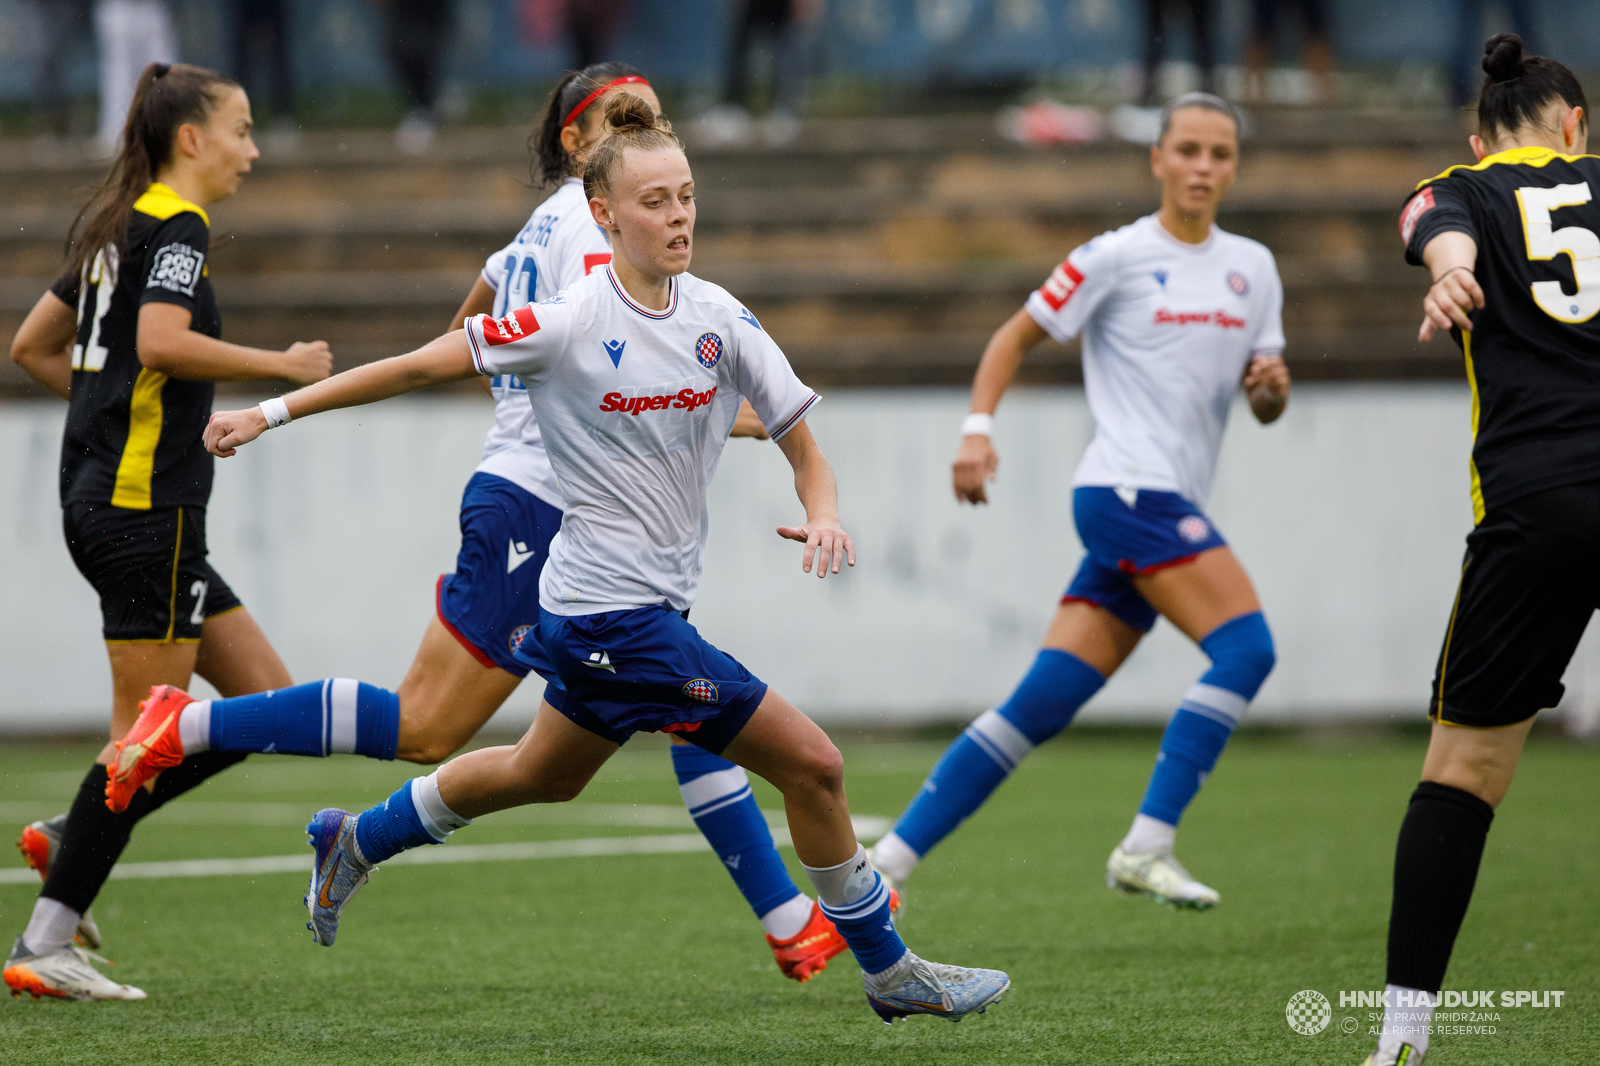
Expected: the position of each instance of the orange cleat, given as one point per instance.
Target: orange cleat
(806, 954)
(35, 848)
(152, 745)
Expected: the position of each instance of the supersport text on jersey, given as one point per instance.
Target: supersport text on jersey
(1168, 329)
(636, 439)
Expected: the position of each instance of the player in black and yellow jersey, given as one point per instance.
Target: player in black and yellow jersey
(1513, 245)
(130, 338)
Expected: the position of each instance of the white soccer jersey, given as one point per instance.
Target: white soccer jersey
(636, 406)
(1168, 328)
(558, 246)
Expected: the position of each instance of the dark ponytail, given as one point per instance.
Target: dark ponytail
(166, 97)
(551, 164)
(1517, 88)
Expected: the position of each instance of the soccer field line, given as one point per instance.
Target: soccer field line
(868, 828)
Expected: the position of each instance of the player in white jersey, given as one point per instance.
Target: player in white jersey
(635, 375)
(1175, 314)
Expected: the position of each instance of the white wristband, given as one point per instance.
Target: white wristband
(977, 425)
(276, 412)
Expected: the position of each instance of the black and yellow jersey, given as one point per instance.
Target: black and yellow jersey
(1533, 353)
(133, 434)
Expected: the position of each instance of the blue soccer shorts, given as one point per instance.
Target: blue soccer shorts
(646, 670)
(1128, 540)
(491, 603)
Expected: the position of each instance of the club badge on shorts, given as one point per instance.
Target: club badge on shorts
(518, 635)
(708, 349)
(1194, 529)
(701, 691)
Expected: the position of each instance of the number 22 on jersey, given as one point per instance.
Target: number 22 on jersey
(1544, 243)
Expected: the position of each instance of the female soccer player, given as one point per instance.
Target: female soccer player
(1511, 244)
(475, 650)
(635, 375)
(1174, 313)
(129, 337)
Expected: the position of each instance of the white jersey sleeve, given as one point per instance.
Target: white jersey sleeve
(529, 342)
(762, 374)
(1076, 288)
(1269, 339)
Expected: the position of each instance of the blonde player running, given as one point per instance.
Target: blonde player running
(1174, 312)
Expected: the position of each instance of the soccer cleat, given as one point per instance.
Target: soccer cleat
(39, 844)
(916, 986)
(338, 874)
(152, 745)
(1401, 1055)
(806, 954)
(1161, 877)
(64, 974)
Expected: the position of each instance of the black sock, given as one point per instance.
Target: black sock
(1435, 868)
(91, 842)
(190, 772)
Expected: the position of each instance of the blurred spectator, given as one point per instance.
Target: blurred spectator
(1266, 16)
(261, 32)
(588, 25)
(416, 33)
(1467, 70)
(65, 25)
(786, 26)
(131, 34)
(1156, 40)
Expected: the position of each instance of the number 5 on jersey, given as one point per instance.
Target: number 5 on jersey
(1545, 244)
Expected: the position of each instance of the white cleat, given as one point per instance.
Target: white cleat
(1403, 1055)
(65, 974)
(1161, 877)
(917, 986)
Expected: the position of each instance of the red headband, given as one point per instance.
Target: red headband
(597, 94)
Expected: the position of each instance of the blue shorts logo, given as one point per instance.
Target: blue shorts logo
(708, 349)
(1194, 529)
(701, 691)
(518, 635)
(1237, 282)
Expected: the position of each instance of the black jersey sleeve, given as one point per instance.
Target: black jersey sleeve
(1440, 206)
(66, 287)
(177, 260)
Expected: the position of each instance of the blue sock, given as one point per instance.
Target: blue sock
(317, 719)
(1242, 656)
(868, 928)
(386, 830)
(991, 747)
(719, 799)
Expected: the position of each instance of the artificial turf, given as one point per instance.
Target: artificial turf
(655, 958)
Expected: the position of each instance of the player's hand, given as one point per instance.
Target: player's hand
(227, 430)
(1266, 385)
(974, 467)
(307, 362)
(825, 543)
(1449, 301)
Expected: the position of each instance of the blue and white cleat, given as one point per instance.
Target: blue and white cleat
(339, 873)
(916, 986)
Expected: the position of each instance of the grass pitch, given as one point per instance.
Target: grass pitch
(655, 958)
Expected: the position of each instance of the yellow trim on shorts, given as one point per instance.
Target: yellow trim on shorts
(172, 604)
(175, 640)
(1436, 712)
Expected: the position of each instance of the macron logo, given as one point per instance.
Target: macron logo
(601, 660)
(514, 327)
(614, 350)
(517, 553)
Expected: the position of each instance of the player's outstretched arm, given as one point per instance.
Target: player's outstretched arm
(1455, 292)
(1266, 386)
(443, 360)
(976, 461)
(825, 540)
(167, 344)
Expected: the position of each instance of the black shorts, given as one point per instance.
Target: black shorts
(150, 570)
(1529, 583)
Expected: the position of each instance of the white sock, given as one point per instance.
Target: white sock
(194, 727)
(787, 919)
(849, 882)
(887, 980)
(894, 858)
(51, 927)
(1408, 1018)
(1149, 835)
(437, 817)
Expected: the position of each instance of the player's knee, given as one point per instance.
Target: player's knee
(1242, 654)
(560, 789)
(424, 750)
(822, 767)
